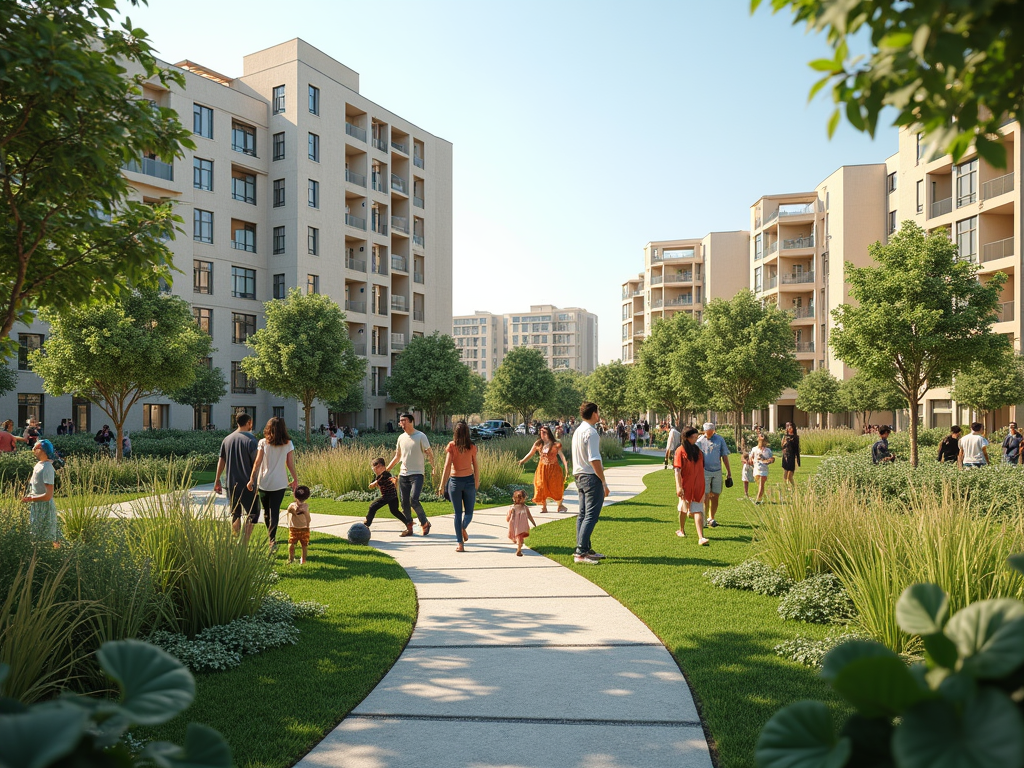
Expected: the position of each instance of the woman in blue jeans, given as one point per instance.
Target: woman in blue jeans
(460, 480)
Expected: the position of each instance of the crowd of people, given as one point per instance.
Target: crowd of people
(966, 451)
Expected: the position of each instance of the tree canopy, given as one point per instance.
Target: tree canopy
(429, 376)
(8, 379)
(862, 394)
(304, 351)
(655, 383)
(352, 401)
(608, 386)
(115, 353)
(472, 397)
(819, 392)
(208, 387)
(921, 316)
(71, 114)
(986, 388)
(570, 392)
(523, 383)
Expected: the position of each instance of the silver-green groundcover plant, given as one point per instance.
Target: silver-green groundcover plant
(962, 706)
(89, 733)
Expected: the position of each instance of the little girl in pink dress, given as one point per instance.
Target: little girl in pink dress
(519, 519)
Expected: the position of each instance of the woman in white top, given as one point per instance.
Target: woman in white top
(761, 457)
(275, 459)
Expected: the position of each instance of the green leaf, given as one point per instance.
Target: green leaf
(989, 636)
(941, 650)
(5, 671)
(203, 748)
(833, 123)
(853, 115)
(869, 740)
(989, 733)
(801, 736)
(896, 40)
(992, 152)
(826, 65)
(41, 737)
(1017, 563)
(872, 678)
(155, 686)
(922, 609)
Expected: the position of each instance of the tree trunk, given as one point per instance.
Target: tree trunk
(737, 429)
(119, 430)
(913, 430)
(307, 406)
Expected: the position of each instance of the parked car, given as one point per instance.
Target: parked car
(493, 428)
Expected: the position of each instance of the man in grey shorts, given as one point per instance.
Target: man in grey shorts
(715, 451)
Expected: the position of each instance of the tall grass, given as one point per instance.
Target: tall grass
(818, 442)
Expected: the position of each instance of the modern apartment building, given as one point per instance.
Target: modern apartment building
(481, 338)
(297, 180)
(681, 276)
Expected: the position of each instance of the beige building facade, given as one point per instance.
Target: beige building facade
(481, 340)
(297, 180)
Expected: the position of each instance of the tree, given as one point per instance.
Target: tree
(819, 392)
(8, 379)
(655, 381)
(304, 351)
(921, 316)
(608, 386)
(953, 69)
(117, 352)
(747, 356)
(207, 388)
(472, 397)
(570, 392)
(352, 401)
(70, 117)
(429, 376)
(862, 394)
(523, 383)
(989, 388)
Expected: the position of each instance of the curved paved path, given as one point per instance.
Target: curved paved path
(515, 663)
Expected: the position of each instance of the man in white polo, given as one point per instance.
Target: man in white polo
(716, 452)
(590, 482)
(674, 441)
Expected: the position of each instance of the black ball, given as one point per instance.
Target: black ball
(359, 534)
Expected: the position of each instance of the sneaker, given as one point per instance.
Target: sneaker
(596, 555)
(712, 523)
(585, 559)
(680, 534)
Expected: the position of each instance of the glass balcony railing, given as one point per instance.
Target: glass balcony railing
(790, 278)
(1006, 312)
(355, 178)
(400, 263)
(418, 240)
(400, 224)
(999, 249)
(380, 143)
(417, 201)
(377, 182)
(399, 304)
(149, 166)
(359, 266)
(397, 342)
(355, 131)
(798, 242)
(398, 183)
(400, 147)
(417, 277)
(805, 346)
(940, 207)
(996, 187)
(355, 221)
(356, 306)
(359, 349)
(417, 161)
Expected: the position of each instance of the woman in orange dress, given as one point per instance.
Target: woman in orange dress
(689, 466)
(548, 480)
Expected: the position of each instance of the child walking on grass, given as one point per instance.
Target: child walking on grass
(298, 524)
(748, 474)
(519, 520)
(385, 483)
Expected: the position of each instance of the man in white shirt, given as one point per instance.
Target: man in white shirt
(973, 448)
(674, 441)
(590, 482)
(413, 450)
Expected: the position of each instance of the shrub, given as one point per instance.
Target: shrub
(818, 599)
(751, 575)
(102, 474)
(809, 651)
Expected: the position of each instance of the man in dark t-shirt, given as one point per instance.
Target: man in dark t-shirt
(880, 453)
(1012, 453)
(237, 455)
(949, 448)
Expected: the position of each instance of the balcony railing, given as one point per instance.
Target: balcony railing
(359, 349)
(417, 315)
(356, 306)
(357, 264)
(397, 182)
(799, 313)
(400, 224)
(657, 279)
(680, 301)
(397, 342)
(380, 348)
(1006, 312)
(789, 278)
(772, 248)
(805, 346)
(796, 210)
(657, 304)
(355, 131)
(355, 178)
(149, 166)
(379, 266)
(418, 161)
(770, 282)
(418, 240)
(771, 217)
(381, 144)
(996, 187)
(377, 182)
(686, 277)
(639, 291)
(399, 303)
(417, 201)
(417, 277)
(380, 309)
(940, 207)
(686, 253)
(1000, 249)
(400, 147)
(379, 226)
(355, 221)
(400, 263)
(798, 242)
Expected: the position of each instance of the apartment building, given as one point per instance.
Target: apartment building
(481, 339)
(297, 180)
(681, 276)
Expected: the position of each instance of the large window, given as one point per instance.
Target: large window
(313, 237)
(249, 410)
(314, 194)
(967, 238)
(920, 195)
(314, 100)
(240, 383)
(28, 343)
(204, 318)
(30, 406)
(202, 276)
(243, 138)
(758, 286)
(279, 146)
(242, 327)
(278, 193)
(243, 283)
(243, 236)
(891, 222)
(278, 241)
(279, 287)
(156, 416)
(312, 283)
(81, 414)
(202, 121)
(314, 147)
(243, 187)
(278, 99)
(202, 416)
(890, 182)
(202, 226)
(202, 174)
(966, 183)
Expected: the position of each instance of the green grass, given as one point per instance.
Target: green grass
(721, 639)
(277, 705)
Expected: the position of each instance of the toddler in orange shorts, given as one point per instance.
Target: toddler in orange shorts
(298, 523)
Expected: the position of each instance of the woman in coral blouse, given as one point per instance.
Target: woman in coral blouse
(548, 480)
(689, 465)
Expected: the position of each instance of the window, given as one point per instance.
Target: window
(279, 287)
(278, 99)
(967, 238)
(202, 121)
(204, 318)
(279, 146)
(758, 280)
(27, 343)
(243, 187)
(313, 237)
(80, 414)
(278, 411)
(278, 193)
(243, 236)
(30, 406)
(312, 283)
(920, 147)
(250, 410)
(314, 194)
(920, 195)
(243, 138)
(243, 283)
(966, 183)
(890, 182)
(202, 226)
(314, 148)
(278, 241)
(891, 228)
(202, 416)
(156, 416)
(202, 174)
(314, 100)
(242, 327)
(202, 277)
(240, 383)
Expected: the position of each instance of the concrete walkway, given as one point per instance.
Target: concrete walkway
(515, 662)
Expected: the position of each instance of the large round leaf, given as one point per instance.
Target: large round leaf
(154, 685)
(989, 733)
(989, 636)
(801, 736)
(1017, 563)
(203, 748)
(922, 609)
(41, 737)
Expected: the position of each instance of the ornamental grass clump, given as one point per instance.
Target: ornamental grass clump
(751, 575)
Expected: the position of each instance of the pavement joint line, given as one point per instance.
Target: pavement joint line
(536, 645)
(516, 597)
(485, 568)
(526, 720)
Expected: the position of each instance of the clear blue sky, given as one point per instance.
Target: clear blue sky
(581, 130)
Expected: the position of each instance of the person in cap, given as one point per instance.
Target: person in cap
(716, 453)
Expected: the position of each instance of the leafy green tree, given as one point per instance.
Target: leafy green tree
(921, 316)
(429, 376)
(989, 388)
(117, 352)
(819, 392)
(952, 69)
(570, 392)
(207, 388)
(472, 399)
(304, 351)
(608, 386)
(747, 356)
(70, 115)
(353, 401)
(8, 379)
(862, 394)
(523, 384)
(655, 382)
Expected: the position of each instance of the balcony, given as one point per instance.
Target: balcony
(359, 349)
(379, 390)
(400, 147)
(358, 265)
(798, 242)
(417, 277)
(657, 303)
(355, 221)
(801, 313)
(398, 183)
(772, 248)
(680, 301)
(397, 342)
(796, 209)
(791, 278)
(356, 306)
(377, 182)
(379, 348)
(381, 144)
(418, 162)
(379, 265)
(940, 207)
(771, 217)
(400, 224)
(417, 201)
(399, 304)
(686, 277)
(1005, 312)
(355, 131)
(805, 346)
(400, 263)
(996, 187)
(770, 283)
(999, 249)
(417, 315)
(378, 225)
(355, 178)
(686, 253)
(379, 308)
(418, 240)
(149, 166)
(638, 292)
(657, 279)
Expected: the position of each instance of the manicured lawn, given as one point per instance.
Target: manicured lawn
(722, 639)
(277, 705)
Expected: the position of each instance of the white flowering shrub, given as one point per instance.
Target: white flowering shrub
(818, 599)
(751, 575)
(810, 652)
